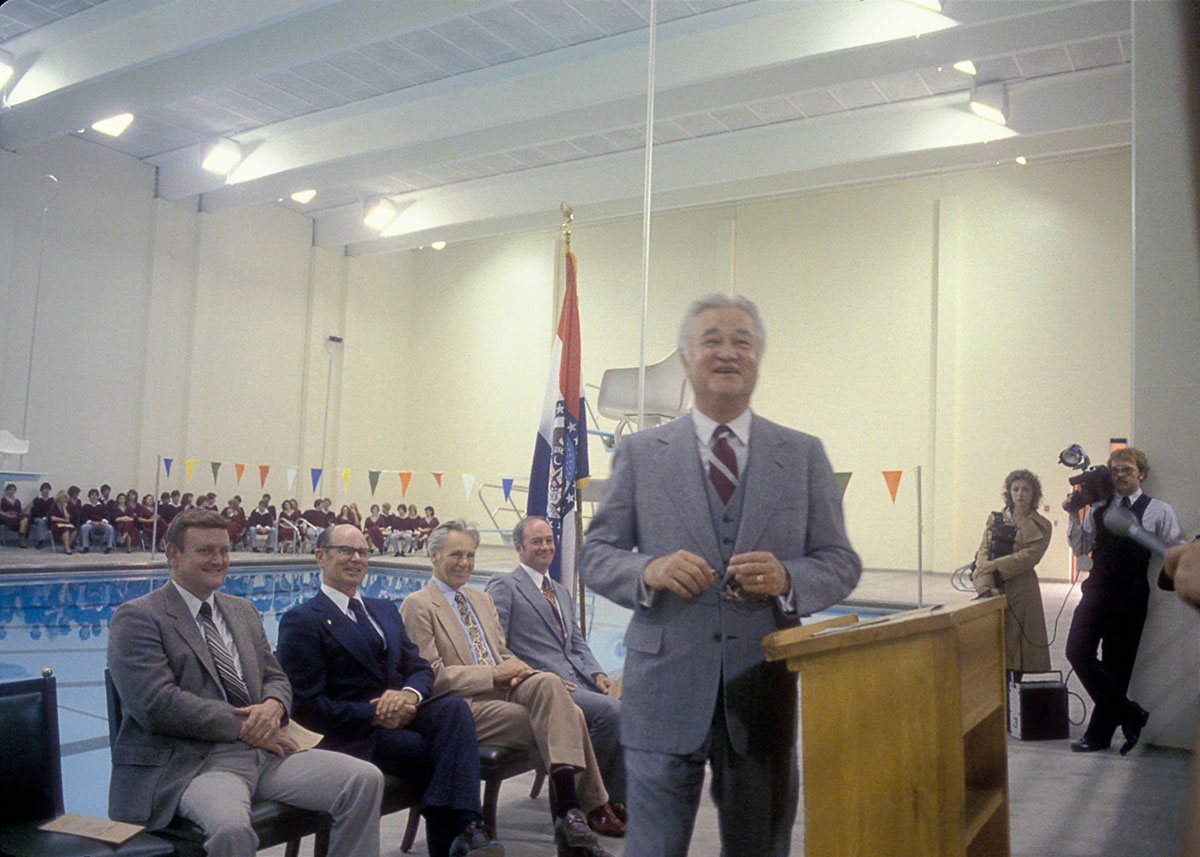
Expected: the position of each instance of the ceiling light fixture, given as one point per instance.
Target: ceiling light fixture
(966, 67)
(221, 156)
(304, 197)
(379, 212)
(1021, 159)
(7, 67)
(990, 102)
(113, 126)
(438, 245)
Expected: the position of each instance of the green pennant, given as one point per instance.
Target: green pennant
(216, 466)
(373, 478)
(843, 480)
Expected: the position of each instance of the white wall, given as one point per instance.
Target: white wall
(923, 322)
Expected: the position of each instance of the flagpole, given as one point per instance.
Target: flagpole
(154, 525)
(577, 581)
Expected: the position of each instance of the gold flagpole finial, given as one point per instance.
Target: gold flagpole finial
(568, 214)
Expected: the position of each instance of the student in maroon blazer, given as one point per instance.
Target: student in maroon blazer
(236, 516)
(94, 523)
(376, 527)
(11, 514)
(39, 514)
(261, 521)
(124, 519)
(146, 521)
(74, 506)
(109, 502)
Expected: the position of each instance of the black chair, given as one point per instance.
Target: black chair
(31, 780)
(496, 764)
(273, 822)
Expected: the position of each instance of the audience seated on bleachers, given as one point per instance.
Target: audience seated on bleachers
(376, 527)
(152, 526)
(124, 519)
(291, 526)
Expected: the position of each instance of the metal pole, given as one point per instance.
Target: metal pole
(37, 297)
(154, 526)
(920, 555)
(641, 407)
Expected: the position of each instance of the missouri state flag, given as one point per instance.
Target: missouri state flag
(560, 461)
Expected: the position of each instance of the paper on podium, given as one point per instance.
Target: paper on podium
(306, 738)
(112, 832)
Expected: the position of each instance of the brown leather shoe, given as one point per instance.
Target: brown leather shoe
(574, 838)
(604, 821)
(619, 811)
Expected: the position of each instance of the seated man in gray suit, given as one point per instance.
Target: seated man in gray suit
(716, 529)
(539, 626)
(205, 702)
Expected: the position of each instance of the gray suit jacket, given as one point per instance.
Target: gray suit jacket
(679, 650)
(173, 703)
(531, 631)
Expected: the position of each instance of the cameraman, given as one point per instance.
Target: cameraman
(1112, 609)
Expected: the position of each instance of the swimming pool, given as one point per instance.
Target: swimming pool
(61, 621)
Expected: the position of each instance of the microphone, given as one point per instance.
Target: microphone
(1123, 522)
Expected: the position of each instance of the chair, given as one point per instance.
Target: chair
(667, 393)
(31, 780)
(273, 822)
(496, 764)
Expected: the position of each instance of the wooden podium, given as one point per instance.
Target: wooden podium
(903, 732)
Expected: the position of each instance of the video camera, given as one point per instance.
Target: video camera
(1093, 483)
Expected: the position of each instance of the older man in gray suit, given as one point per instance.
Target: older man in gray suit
(539, 626)
(205, 702)
(716, 530)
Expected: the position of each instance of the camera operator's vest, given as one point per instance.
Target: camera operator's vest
(1118, 562)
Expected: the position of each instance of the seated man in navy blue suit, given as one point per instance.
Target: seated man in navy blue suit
(360, 681)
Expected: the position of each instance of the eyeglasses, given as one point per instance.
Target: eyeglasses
(1124, 471)
(345, 552)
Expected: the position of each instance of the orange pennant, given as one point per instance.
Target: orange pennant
(438, 477)
(892, 477)
(263, 470)
(405, 478)
(240, 468)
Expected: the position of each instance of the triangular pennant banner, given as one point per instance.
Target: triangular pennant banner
(373, 478)
(263, 470)
(438, 477)
(168, 462)
(468, 483)
(239, 469)
(291, 474)
(190, 464)
(507, 482)
(892, 477)
(405, 478)
(316, 475)
(216, 467)
(843, 479)
(346, 478)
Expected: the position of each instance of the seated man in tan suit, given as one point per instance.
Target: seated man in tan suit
(457, 630)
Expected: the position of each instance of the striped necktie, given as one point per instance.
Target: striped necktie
(482, 655)
(549, 593)
(722, 465)
(235, 689)
(374, 641)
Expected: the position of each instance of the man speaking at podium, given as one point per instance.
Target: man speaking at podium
(716, 530)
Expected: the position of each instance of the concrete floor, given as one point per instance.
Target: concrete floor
(1061, 804)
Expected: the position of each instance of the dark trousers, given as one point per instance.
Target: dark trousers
(1109, 620)
(437, 748)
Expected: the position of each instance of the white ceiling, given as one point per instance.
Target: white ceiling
(477, 116)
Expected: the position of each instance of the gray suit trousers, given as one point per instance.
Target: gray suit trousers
(603, 716)
(218, 798)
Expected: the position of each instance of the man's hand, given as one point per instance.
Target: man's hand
(511, 672)
(1182, 564)
(603, 683)
(261, 728)
(682, 572)
(570, 685)
(395, 709)
(761, 572)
